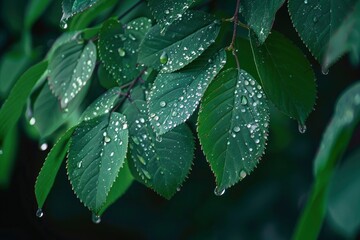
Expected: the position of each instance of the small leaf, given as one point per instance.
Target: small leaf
(48, 172)
(73, 7)
(162, 163)
(97, 152)
(260, 15)
(182, 43)
(345, 39)
(232, 126)
(167, 11)
(317, 21)
(120, 186)
(12, 108)
(118, 47)
(175, 96)
(286, 76)
(102, 104)
(70, 68)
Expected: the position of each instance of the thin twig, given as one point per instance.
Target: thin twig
(130, 9)
(231, 47)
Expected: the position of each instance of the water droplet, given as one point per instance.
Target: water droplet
(243, 100)
(236, 129)
(79, 164)
(325, 71)
(218, 191)
(167, 11)
(39, 213)
(302, 128)
(315, 19)
(158, 138)
(96, 218)
(305, 1)
(63, 24)
(1, 152)
(107, 139)
(43, 146)
(146, 174)
(121, 52)
(178, 189)
(162, 104)
(163, 58)
(32, 121)
(132, 37)
(242, 174)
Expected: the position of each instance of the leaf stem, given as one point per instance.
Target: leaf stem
(235, 19)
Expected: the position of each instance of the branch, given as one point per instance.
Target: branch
(231, 47)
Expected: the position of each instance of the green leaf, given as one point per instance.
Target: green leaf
(106, 80)
(8, 157)
(161, 164)
(232, 126)
(120, 186)
(317, 21)
(118, 47)
(175, 96)
(11, 110)
(286, 76)
(260, 15)
(344, 197)
(345, 39)
(51, 166)
(167, 11)
(102, 105)
(70, 68)
(47, 113)
(73, 7)
(66, 37)
(34, 10)
(183, 42)
(97, 152)
(333, 145)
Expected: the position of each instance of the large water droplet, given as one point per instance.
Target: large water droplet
(121, 52)
(243, 100)
(302, 128)
(63, 24)
(162, 104)
(218, 191)
(96, 218)
(107, 139)
(236, 129)
(43, 146)
(32, 121)
(39, 213)
(164, 58)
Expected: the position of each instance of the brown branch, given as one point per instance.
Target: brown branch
(231, 47)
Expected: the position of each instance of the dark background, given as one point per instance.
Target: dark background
(265, 205)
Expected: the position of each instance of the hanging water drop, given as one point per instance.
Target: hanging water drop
(243, 100)
(324, 70)
(218, 191)
(39, 213)
(43, 146)
(63, 24)
(32, 121)
(121, 52)
(163, 58)
(96, 218)
(162, 104)
(302, 128)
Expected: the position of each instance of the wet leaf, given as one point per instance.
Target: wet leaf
(73, 7)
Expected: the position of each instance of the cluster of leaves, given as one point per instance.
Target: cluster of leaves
(157, 77)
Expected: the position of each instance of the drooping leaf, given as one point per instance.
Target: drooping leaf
(70, 68)
(47, 113)
(286, 76)
(102, 105)
(118, 47)
(167, 11)
(7, 157)
(344, 197)
(232, 126)
(333, 145)
(183, 42)
(175, 96)
(345, 39)
(317, 21)
(73, 7)
(260, 15)
(161, 164)
(34, 10)
(121, 184)
(64, 38)
(51, 166)
(11, 110)
(97, 152)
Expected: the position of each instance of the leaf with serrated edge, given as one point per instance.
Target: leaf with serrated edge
(260, 15)
(73, 7)
(175, 96)
(161, 164)
(49, 170)
(182, 43)
(232, 126)
(286, 76)
(167, 11)
(70, 68)
(102, 104)
(97, 152)
(317, 21)
(118, 47)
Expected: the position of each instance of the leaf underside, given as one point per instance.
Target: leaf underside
(73, 7)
